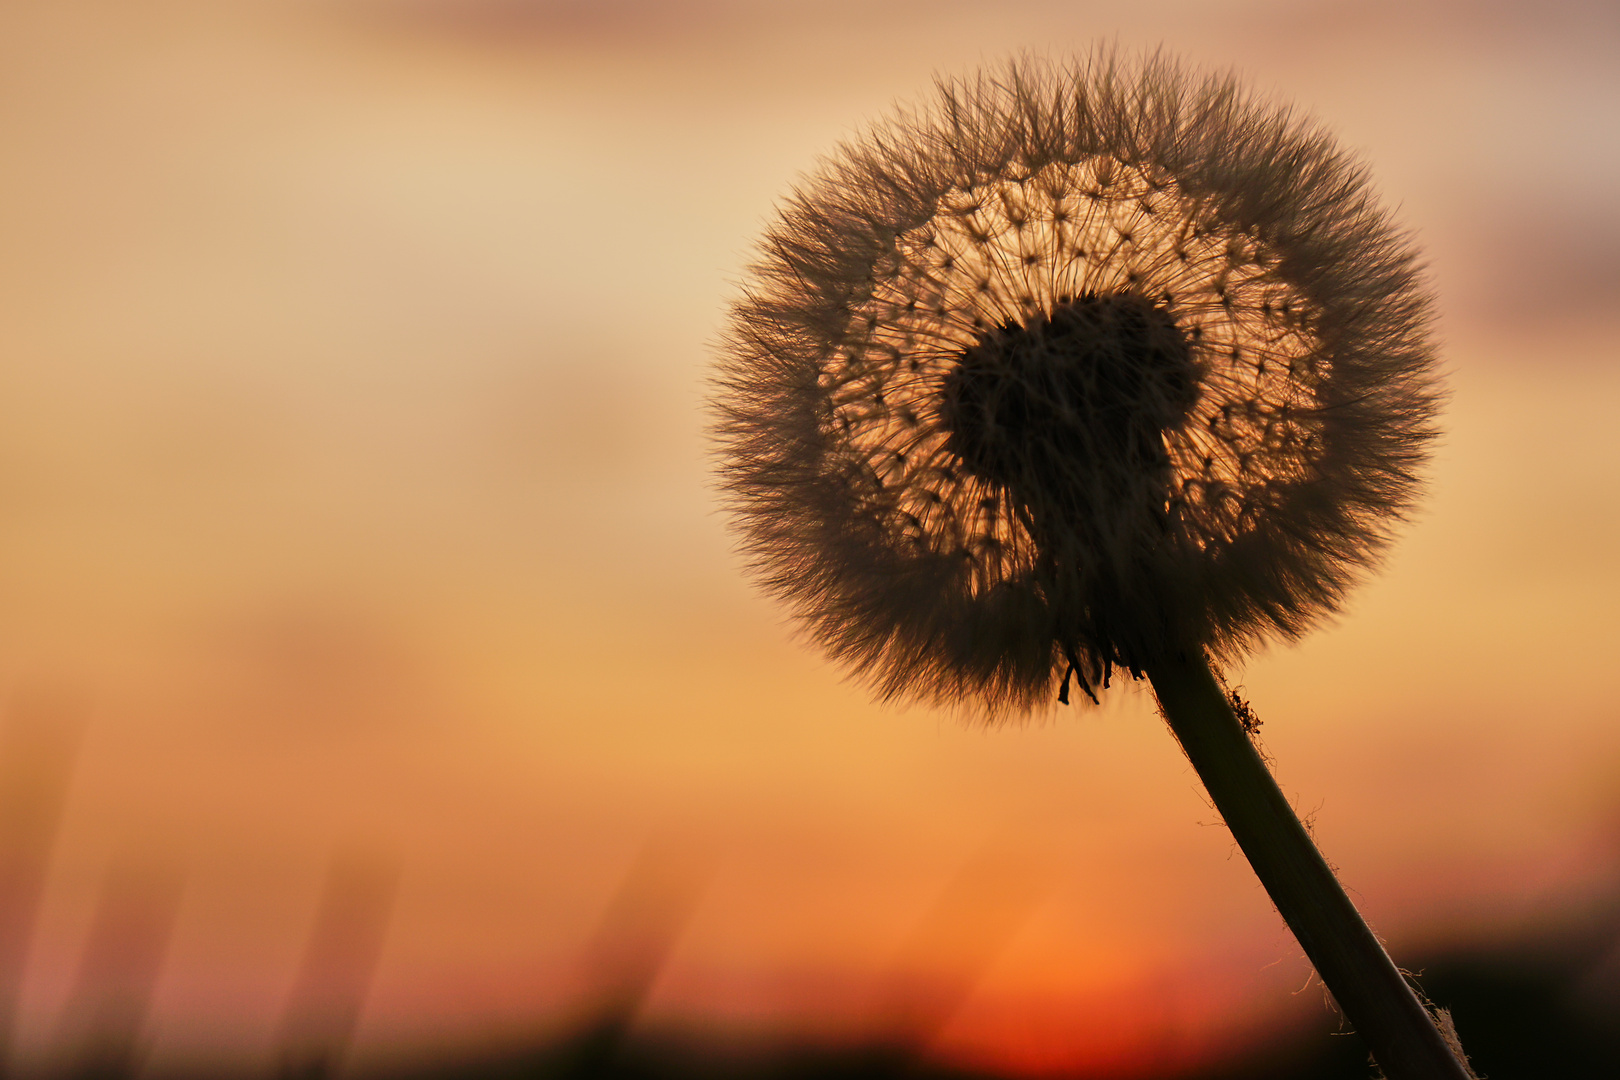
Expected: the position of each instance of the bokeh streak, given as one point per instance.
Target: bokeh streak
(102, 1034)
(334, 978)
(39, 740)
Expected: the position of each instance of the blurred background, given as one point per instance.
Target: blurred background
(378, 686)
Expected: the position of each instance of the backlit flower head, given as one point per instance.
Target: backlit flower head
(1073, 364)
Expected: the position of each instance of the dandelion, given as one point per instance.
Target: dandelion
(1088, 370)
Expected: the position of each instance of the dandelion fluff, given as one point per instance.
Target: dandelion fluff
(1072, 365)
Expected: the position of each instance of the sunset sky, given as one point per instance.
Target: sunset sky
(355, 508)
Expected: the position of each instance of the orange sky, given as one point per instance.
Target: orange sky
(352, 481)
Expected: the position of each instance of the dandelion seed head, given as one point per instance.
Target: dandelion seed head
(1076, 363)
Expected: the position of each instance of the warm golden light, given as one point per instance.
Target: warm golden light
(354, 503)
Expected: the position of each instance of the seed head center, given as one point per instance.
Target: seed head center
(1069, 408)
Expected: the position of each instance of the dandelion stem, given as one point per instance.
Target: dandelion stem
(1371, 991)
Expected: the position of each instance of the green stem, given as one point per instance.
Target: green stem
(1371, 991)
